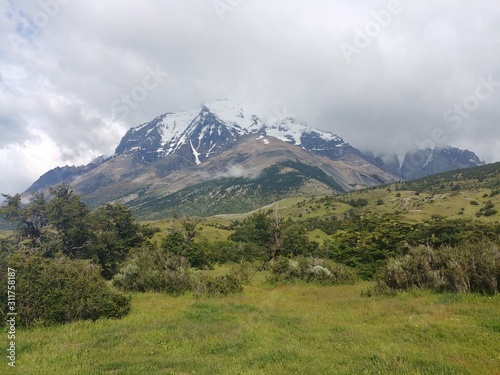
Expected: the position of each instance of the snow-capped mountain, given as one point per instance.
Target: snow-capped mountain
(225, 155)
(214, 127)
(227, 159)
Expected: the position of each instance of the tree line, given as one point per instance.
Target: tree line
(66, 253)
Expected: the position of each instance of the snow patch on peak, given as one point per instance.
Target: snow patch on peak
(214, 126)
(284, 132)
(175, 126)
(233, 115)
(290, 130)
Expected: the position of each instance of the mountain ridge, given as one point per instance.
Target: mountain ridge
(217, 140)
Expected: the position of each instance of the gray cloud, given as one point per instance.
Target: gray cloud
(67, 71)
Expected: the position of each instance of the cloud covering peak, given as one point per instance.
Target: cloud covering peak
(75, 76)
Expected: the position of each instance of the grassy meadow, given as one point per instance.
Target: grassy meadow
(291, 328)
(277, 329)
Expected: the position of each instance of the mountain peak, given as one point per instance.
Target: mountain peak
(233, 115)
(222, 105)
(213, 127)
(424, 162)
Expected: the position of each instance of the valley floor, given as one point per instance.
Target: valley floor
(280, 329)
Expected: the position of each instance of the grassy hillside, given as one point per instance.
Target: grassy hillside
(300, 328)
(238, 194)
(412, 202)
(297, 329)
(458, 194)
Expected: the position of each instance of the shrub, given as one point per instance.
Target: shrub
(152, 269)
(488, 205)
(61, 290)
(414, 270)
(467, 268)
(360, 202)
(474, 203)
(489, 212)
(472, 268)
(243, 272)
(216, 286)
(314, 270)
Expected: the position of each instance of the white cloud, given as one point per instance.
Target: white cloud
(60, 78)
(23, 163)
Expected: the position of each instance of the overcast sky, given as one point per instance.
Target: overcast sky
(386, 76)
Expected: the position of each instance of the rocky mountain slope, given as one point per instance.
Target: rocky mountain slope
(220, 141)
(422, 163)
(219, 152)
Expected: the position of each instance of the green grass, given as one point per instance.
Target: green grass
(283, 329)
(318, 235)
(409, 206)
(4, 234)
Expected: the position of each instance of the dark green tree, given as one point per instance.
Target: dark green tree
(273, 236)
(71, 218)
(30, 222)
(180, 241)
(116, 232)
(294, 240)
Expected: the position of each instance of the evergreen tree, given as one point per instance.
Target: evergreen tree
(70, 217)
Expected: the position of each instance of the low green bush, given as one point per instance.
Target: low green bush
(243, 271)
(60, 290)
(360, 202)
(153, 269)
(467, 268)
(418, 269)
(313, 270)
(207, 286)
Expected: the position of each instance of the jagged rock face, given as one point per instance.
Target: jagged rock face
(194, 135)
(215, 127)
(392, 164)
(60, 174)
(221, 147)
(422, 163)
